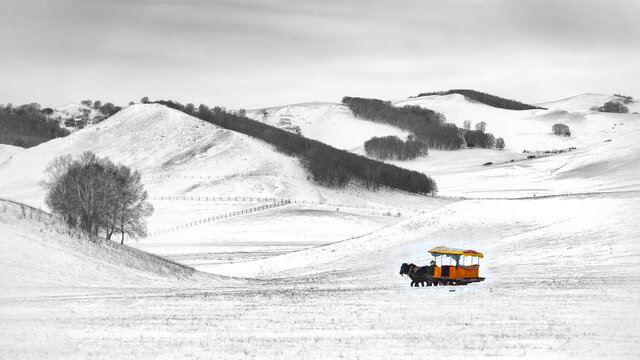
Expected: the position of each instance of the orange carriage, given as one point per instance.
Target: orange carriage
(457, 272)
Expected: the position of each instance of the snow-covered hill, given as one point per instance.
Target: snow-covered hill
(332, 124)
(522, 130)
(177, 154)
(189, 166)
(157, 141)
(460, 173)
(76, 116)
(511, 174)
(561, 270)
(585, 102)
(531, 129)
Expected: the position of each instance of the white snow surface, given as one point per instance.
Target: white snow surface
(7, 151)
(318, 277)
(550, 292)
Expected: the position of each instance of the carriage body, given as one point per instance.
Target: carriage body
(453, 272)
(458, 274)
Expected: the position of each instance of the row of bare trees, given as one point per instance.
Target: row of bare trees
(27, 125)
(107, 109)
(98, 196)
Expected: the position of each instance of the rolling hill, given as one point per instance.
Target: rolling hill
(194, 171)
(317, 272)
(530, 130)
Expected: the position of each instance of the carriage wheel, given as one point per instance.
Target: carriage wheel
(428, 282)
(435, 282)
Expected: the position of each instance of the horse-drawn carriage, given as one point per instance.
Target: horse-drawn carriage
(452, 274)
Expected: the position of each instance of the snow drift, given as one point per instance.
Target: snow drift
(40, 255)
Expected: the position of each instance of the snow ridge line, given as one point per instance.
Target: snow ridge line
(292, 201)
(218, 217)
(537, 197)
(59, 226)
(32, 209)
(217, 198)
(57, 222)
(220, 177)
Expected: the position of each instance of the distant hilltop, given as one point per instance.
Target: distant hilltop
(486, 99)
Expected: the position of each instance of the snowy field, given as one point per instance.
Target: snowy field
(317, 277)
(559, 285)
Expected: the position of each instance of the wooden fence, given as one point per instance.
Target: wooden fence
(218, 217)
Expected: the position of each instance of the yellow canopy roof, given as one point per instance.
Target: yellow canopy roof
(454, 251)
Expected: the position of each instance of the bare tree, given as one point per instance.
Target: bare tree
(58, 190)
(86, 114)
(481, 126)
(92, 190)
(467, 124)
(131, 204)
(203, 110)
(98, 196)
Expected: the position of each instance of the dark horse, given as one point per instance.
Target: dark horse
(417, 273)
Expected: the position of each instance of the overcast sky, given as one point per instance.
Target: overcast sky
(257, 53)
